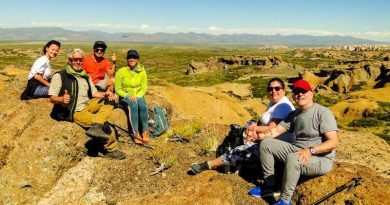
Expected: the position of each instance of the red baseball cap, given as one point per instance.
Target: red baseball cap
(303, 84)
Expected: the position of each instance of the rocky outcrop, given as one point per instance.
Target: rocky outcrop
(220, 63)
(35, 150)
(341, 80)
(316, 188)
(208, 188)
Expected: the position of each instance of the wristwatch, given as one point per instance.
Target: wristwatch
(312, 151)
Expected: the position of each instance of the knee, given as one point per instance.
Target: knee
(292, 160)
(265, 145)
(132, 105)
(326, 166)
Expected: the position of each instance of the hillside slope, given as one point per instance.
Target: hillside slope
(43, 161)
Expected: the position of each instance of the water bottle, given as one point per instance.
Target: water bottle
(227, 167)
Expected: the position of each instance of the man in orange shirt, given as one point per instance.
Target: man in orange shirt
(99, 68)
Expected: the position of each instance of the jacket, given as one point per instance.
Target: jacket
(131, 82)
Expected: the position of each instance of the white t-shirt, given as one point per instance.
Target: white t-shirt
(278, 111)
(41, 66)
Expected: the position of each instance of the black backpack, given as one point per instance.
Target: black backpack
(232, 140)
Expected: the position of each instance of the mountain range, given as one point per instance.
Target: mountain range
(47, 33)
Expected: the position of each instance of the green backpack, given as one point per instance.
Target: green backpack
(158, 122)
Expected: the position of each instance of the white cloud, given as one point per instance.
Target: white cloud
(384, 34)
(213, 29)
(145, 27)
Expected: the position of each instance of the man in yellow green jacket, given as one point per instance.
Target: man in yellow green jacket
(131, 83)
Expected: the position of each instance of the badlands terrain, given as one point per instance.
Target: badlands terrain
(43, 161)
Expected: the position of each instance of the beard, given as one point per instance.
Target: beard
(78, 68)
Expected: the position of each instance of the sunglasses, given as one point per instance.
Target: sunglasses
(97, 50)
(299, 90)
(77, 59)
(277, 88)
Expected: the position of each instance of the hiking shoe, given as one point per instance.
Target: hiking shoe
(97, 132)
(257, 191)
(106, 128)
(138, 139)
(197, 168)
(115, 155)
(281, 202)
(145, 136)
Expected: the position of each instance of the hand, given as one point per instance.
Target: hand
(113, 58)
(252, 136)
(304, 155)
(110, 95)
(133, 99)
(66, 97)
(251, 127)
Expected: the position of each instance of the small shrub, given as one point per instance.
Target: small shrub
(385, 134)
(381, 113)
(365, 122)
(357, 87)
(189, 130)
(208, 145)
(384, 104)
(325, 100)
(163, 153)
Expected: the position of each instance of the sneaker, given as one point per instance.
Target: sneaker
(281, 202)
(96, 131)
(115, 155)
(197, 168)
(145, 136)
(257, 191)
(138, 139)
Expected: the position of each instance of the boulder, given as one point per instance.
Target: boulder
(316, 188)
(206, 188)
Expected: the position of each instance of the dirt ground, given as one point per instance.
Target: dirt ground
(43, 161)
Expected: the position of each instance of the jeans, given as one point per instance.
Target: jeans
(41, 91)
(138, 114)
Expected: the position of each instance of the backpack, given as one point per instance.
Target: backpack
(158, 122)
(232, 140)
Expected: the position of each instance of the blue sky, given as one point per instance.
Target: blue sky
(366, 19)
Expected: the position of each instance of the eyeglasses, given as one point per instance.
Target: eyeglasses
(77, 59)
(97, 50)
(299, 90)
(277, 88)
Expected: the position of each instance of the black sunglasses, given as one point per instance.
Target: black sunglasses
(99, 49)
(277, 88)
(77, 59)
(299, 90)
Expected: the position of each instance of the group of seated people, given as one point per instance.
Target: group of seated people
(303, 139)
(85, 89)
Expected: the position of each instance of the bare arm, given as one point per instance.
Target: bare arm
(60, 99)
(108, 93)
(330, 143)
(111, 71)
(271, 133)
(41, 80)
(263, 128)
